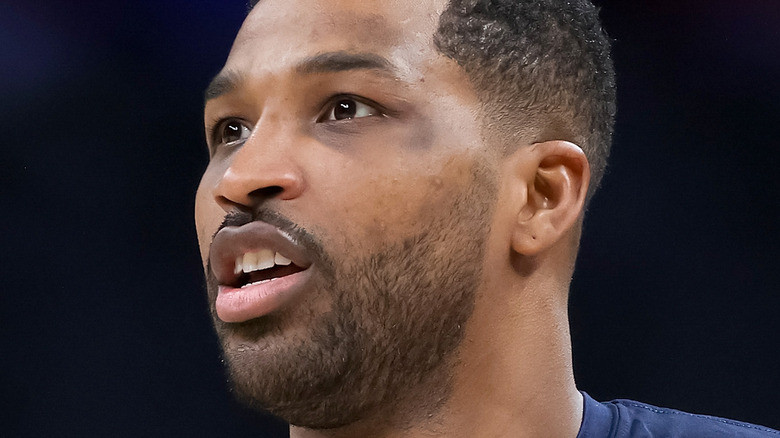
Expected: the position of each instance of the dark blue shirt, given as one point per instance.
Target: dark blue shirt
(630, 419)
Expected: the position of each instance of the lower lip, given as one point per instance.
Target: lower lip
(260, 299)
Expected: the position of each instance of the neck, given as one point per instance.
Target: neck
(513, 376)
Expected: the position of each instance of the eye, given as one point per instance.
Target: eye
(231, 132)
(346, 108)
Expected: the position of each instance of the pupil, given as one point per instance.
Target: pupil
(345, 109)
(232, 132)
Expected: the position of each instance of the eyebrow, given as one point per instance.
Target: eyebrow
(332, 62)
(329, 62)
(224, 83)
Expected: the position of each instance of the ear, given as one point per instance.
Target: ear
(556, 176)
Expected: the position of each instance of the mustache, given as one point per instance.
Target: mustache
(299, 234)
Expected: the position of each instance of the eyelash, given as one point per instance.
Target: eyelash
(217, 128)
(218, 125)
(330, 104)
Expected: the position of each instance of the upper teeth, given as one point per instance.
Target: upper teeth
(259, 260)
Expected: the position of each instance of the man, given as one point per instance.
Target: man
(391, 215)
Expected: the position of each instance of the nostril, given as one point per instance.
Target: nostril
(246, 182)
(267, 192)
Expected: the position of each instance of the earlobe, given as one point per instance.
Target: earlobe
(556, 189)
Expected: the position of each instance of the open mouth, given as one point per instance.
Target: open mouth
(261, 266)
(259, 269)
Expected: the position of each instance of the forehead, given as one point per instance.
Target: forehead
(279, 32)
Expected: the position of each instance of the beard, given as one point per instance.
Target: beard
(378, 335)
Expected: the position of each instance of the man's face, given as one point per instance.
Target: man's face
(345, 148)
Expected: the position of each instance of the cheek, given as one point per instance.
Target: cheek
(208, 216)
(386, 207)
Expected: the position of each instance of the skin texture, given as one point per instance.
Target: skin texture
(442, 262)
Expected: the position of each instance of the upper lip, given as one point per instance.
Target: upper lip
(231, 242)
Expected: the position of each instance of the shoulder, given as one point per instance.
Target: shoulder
(643, 420)
(631, 419)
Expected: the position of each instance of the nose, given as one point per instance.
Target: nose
(264, 168)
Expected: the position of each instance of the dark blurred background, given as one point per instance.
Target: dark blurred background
(103, 322)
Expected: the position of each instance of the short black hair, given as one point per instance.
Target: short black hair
(540, 66)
